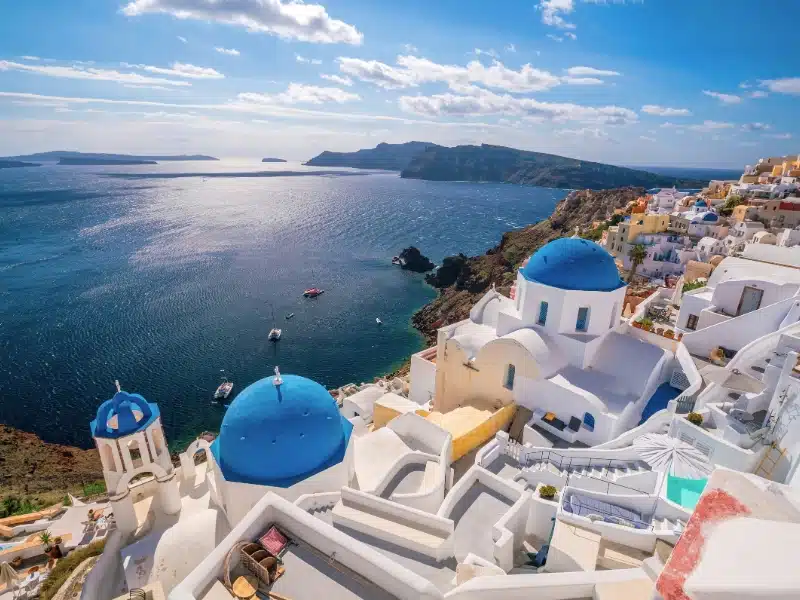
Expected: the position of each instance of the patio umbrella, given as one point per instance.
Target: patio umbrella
(668, 454)
(732, 379)
(677, 292)
(8, 577)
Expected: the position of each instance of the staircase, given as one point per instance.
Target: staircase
(672, 525)
(606, 473)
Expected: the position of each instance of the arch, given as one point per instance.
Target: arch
(135, 453)
(158, 441)
(157, 470)
(199, 445)
(588, 421)
(107, 454)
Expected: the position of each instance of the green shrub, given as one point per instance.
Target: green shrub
(547, 492)
(66, 566)
(695, 418)
(692, 285)
(94, 489)
(16, 505)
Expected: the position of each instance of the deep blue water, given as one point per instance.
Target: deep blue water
(162, 282)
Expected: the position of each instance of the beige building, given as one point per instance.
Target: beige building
(627, 231)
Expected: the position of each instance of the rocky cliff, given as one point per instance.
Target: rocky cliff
(462, 281)
(509, 165)
(389, 157)
(411, 259)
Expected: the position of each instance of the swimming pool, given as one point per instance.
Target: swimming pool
(4, 547)
(685, 492)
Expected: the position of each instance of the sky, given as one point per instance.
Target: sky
(711, 83)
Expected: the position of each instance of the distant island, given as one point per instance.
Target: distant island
(486, 163)
(12, 164)
(509, 165)
(272, 160)
(58, 155)
(104, 161)
(388, 157)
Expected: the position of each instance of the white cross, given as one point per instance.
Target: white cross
(277, 380)
(116, 383)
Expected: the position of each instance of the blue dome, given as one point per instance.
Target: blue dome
(278, 435)
(123, 415)
(700, 203)
(710, 217)
(573, 264)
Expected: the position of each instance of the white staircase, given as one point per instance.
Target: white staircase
(599, 472)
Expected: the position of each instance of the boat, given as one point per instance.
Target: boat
(378, 321)
(224, 389)
(396, 260)
(274, 335)
(313, 292)
(289, 316)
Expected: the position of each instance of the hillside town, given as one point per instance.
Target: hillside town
(622, 424)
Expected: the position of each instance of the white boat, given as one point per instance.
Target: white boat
(274, 335)
(224, 389)
(378, 321)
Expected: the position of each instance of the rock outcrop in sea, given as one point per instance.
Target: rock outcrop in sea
(411, 259)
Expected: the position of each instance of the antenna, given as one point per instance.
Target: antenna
(276, 381)
(116, 383)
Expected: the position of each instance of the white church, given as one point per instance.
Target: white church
(558, 348)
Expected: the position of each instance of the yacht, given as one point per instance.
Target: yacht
(224, 389)
(274, 335)
(313, 292)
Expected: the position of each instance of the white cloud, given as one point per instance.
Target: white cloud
(298, 93)
(552, 11)
(183, 39)
(134, 86)
(757, 94)
(490, 52)
(338, 79)
(410, 48)
(556, 38)
(510, 48)
(590, 72)
(413, 71)
(570, 35)
(582, 81)
(188, 71)
(590, 132)
(779, 136)
(724, 98)
(28, 57)
(665, 111)
(756, 127)
(707, 126)
(483, 102)
(291, 20)
(89, 73)
(228, 51)
(307, 61)
(787, 85)
(647, 138)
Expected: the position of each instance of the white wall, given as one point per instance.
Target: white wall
(423, 377)
(719, 452)
(728, 294)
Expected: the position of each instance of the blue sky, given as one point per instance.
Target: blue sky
(669, 82)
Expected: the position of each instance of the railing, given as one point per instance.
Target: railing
(685, 404)
(647, 518)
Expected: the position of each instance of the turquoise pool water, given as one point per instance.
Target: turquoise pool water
(685, 492)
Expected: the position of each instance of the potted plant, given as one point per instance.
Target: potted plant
(547, 492)
(637, 324)
(16, 562)
(53, 551)
(695, 418)
(669, 334)
(647, 324)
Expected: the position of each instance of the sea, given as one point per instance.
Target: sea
(167, 277)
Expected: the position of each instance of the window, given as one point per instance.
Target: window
(509, 382)
(588, 421)
(542, 314)
(691, 322)
(582, 324)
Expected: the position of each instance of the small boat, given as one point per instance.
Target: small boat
(396, 260)
(378, 321)
(313, 292)
(289, 316)
(274, 335)
(224, 389)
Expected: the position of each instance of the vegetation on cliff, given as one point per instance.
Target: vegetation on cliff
(462, 281)
(34, 473)
(509, 165)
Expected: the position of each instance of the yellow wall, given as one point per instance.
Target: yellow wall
(647, 224)
(740, 212)
(483, 431)
(382, 414)
(480, 385)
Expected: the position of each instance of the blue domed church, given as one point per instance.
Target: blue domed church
(282, 434)
(555, 344)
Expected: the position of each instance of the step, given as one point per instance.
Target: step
(386, 528)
